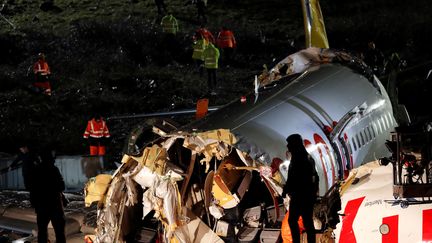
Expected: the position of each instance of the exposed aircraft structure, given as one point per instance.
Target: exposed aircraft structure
(198, 179)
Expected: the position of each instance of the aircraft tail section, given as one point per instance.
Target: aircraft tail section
(315, 32)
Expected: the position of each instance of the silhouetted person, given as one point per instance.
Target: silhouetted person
(301, 187)
(29, 161)
(374, 58)
(48, 204)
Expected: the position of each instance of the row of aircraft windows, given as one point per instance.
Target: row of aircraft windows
(370, 132)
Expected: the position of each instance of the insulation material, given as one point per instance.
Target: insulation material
(216, 211)
(132, 197)
(109, 217)
(154, 157)
(306, 59)
(210, 144)
(145, 177)
(153, 171)
(222, 135)
(96, 188)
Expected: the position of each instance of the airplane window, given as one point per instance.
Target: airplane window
(387, 121)
(390, 119)
(354, 143)
(366, 136)
(358, 141)
(383, 123)
(369, 132)
(373, 130)
(379, 126)
(362, 139)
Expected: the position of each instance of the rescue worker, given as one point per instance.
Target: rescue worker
(199, 45)
(211, 59)
(374, 58)
(205, 33)
(170, 28)
(48, 188)
(169, 24)
(301, 187)
(227, 42)
(97, 131)
(42, 72)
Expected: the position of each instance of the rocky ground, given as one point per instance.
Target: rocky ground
(109, 56)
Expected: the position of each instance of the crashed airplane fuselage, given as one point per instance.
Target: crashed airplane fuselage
(193, 177)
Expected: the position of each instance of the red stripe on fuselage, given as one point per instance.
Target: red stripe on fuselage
(427, 225)
(347, 233)
(319, 140)
(392, 236)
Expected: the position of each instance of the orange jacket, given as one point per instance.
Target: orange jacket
(96, 129)
(206, 34)
(41, 67)
(226, 39)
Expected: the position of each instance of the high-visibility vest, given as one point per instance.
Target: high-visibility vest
(211, 57)
(41, 67)
(226, 39)
(96, 129)
(198, 49)
(169, 24)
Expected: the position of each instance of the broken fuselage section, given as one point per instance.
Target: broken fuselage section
(199, 180)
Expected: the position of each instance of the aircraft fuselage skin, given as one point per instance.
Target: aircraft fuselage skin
(343, 118)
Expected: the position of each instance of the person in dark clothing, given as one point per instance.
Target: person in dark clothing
(374, 58)
(48, 204)
(29, 160)
(301, 187)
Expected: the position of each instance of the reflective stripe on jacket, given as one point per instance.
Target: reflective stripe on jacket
(211, 56)
(226, 39)
(198, 49)
(41, 67)
(169, 24)
(96, 129)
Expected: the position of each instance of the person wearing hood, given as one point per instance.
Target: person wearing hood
(48, 198)
(301, 187)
